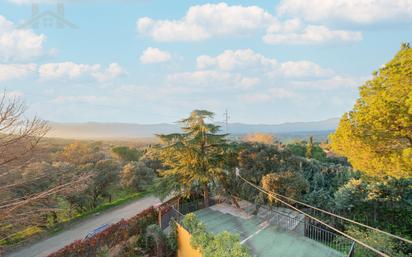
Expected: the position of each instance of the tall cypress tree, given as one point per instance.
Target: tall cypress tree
(309, 148)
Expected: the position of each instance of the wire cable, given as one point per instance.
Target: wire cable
(344, 218)
(325, 224)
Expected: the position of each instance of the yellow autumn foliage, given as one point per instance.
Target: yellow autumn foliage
(376, 136)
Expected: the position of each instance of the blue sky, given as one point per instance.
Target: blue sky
(154, 61)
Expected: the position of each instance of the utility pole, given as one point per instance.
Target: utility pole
(226, 121)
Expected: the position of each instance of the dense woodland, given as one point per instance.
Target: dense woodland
(362, 173)
(77, 178)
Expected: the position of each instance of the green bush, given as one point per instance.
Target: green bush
(221, 245)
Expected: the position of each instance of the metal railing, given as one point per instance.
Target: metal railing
(302, 227)
(352, 250)
(188, 207)
(306, 227)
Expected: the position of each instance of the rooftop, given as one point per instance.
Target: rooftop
(279, 232)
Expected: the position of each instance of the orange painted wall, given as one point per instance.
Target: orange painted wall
(183, 242)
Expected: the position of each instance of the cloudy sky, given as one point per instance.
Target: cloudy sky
(150, 61)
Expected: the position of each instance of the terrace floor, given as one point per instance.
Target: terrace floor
(262, 238)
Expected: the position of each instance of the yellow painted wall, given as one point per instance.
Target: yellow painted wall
(183, 241)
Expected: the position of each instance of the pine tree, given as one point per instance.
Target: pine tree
(194, 158)
(376, 136)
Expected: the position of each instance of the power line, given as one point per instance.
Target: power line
(325, 224)
(343, 218)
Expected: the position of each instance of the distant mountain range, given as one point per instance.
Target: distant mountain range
(94, 130)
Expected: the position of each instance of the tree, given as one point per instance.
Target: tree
(196, 156)
(383, 204)
(305, 149)
(254, 161)
(151, 159)
(18, 135)
(127, 154)
(289, 184)
(376, 136)
(136, 175)
(377, 240)
(223, 244)
(106, 175)
(354, 193)
(309, 148)
(259, 138)
(80, 153)
(155, 232)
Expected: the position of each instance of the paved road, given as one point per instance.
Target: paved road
(81, 229)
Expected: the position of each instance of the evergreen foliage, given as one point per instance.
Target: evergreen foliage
(376, 135)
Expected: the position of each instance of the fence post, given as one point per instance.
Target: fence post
(352, 250)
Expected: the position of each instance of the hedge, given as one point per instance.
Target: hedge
(110, 237)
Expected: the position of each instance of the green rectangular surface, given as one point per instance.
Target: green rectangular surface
(264, 242)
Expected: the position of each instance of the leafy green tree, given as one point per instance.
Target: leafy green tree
(376, 135)
(79, 153)
(301, 149)
(195, 157)
(383, 204)
(297, 148)
(155, 232)
(354, 193)
(223, 244)
(151, 159)
(127, 154)
(136, 176)
(107, 174)
(377, 240)
(289, 184)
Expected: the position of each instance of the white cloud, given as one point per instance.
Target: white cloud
(335, 82)
(246, 60)
(303, 69)
(204, 21)
(70, 70)
(212, 79)
(113, 71)
(19, 44)
(16, 71)
(360, 11)
(296, 33)
(79, 99)
(154, 55)
(235, 60)
(269, 95)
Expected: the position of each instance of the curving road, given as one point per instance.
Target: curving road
(81, 229)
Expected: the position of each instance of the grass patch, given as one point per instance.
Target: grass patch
(21, 235)
(111, 204)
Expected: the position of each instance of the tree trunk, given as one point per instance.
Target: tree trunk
(235, 202)
(205, 196)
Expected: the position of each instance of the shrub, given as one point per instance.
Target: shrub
(113, 235)
(221, 245)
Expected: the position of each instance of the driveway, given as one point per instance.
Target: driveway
(81, 229)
